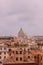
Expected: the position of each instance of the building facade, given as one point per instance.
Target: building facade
(3, 52)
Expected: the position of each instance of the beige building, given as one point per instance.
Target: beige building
(3, 52)
(41, 58)
(20, 55)
(20, 50)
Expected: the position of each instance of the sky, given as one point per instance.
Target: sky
(15, 14)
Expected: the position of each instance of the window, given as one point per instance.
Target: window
(21, 59)
(9, 50)
(0, 62)
(4, 52)
(4, 48)
(24, 51)
(13, 51)
(0, 53)
(28, 56)
(35, 57)
(16, 59)
(0, 57)
(20, 52)
(4, 57)
(16, 52)
(28, 51)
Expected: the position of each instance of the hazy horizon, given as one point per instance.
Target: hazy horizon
(27, 14)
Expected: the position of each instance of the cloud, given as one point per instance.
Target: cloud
(15, 14)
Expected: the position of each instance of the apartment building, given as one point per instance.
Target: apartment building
(15, 55)
(20, 50)
(3, 52)
(41, 58)
(20, 55)
(4, 42)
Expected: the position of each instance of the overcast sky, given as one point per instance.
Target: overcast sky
(15, 14)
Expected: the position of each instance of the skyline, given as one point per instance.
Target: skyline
(15, 14)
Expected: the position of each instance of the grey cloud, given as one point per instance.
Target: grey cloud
(27, 14)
